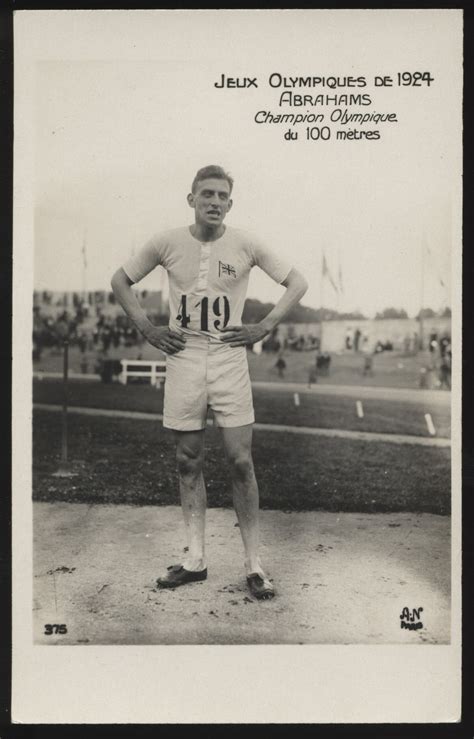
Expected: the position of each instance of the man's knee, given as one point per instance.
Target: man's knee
(189, 460)
(242, 466)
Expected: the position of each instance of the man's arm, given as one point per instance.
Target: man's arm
(296, 286)
(159, 336)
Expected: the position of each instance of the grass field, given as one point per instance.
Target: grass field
(123, 461)
(323, 411)
(391, 369)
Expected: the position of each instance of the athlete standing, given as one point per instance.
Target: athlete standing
(208, 266)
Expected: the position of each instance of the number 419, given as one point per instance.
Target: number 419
(184, 318)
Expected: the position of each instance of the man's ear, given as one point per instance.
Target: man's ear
(190, 199)
(229, 204)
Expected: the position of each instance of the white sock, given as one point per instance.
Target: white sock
(258, 569)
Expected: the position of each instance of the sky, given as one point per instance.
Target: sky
(121, 127)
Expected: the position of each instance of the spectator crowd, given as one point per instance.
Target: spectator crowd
(99, 333)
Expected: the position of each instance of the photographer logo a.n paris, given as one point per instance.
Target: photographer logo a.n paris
(411, 619)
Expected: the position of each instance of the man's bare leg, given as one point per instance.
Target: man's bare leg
(190, 457)
(238, 447)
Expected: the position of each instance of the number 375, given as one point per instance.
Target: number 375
(55, 629)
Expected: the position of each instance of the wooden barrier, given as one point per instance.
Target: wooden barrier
(155, 369)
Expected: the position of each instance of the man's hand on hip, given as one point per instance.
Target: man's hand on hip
(243, 335)
(163, 338)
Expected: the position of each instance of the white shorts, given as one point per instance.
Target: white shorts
(207, 375)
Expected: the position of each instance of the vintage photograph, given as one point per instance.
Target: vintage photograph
(244, 317)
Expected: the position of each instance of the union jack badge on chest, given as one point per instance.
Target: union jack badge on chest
(226, 269)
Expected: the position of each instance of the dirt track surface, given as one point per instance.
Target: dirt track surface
(340, 578)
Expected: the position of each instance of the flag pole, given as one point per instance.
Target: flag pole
(422, 340)
(64, 469)
(321, 329)
(84, 268)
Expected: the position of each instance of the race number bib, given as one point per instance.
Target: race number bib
(220, 312)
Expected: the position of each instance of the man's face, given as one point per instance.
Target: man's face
(211, 201)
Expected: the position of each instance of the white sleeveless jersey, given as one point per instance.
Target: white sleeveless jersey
(207, 279)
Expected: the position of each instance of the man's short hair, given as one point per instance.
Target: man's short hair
(212, 170)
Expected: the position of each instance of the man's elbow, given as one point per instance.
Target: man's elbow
(296, 283)
(119, 280)
(114, 280)
(301, 285)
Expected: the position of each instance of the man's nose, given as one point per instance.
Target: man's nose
(215, 199)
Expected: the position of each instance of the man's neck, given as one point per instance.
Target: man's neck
(202, 232)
